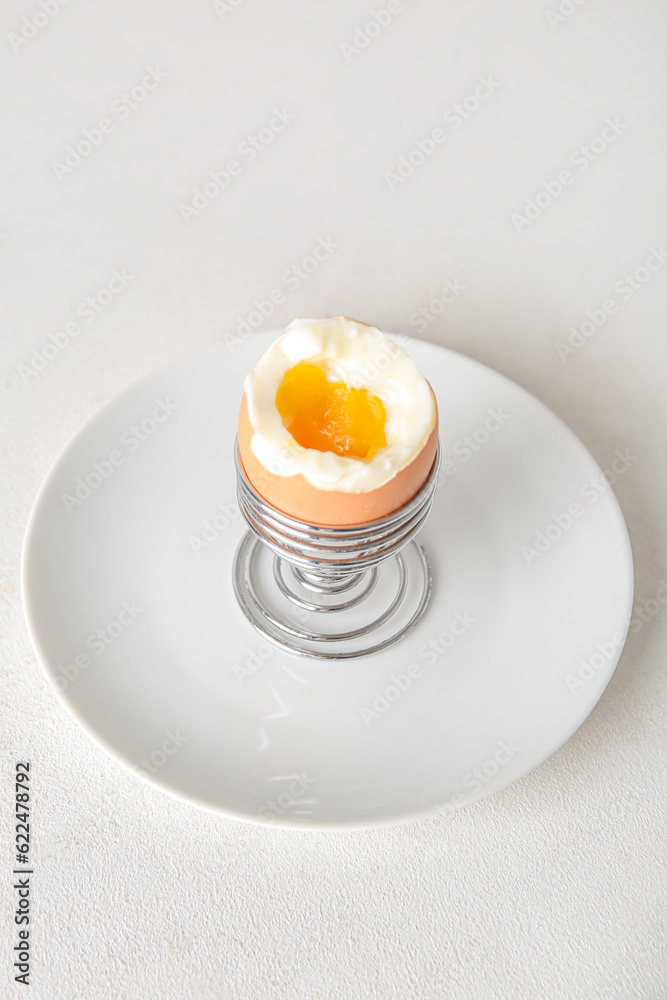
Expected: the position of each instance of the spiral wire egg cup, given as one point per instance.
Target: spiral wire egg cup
(322, 571)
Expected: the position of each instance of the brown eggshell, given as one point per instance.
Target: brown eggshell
(295, 496)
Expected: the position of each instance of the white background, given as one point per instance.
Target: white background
(555, 887)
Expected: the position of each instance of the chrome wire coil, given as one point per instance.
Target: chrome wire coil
(325, 570)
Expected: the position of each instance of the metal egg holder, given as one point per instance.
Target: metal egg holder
(293, 579)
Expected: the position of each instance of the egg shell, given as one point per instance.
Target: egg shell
(295, 496)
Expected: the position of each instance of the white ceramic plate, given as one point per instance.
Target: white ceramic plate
(128, 596)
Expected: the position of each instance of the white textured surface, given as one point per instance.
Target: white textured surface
(554, 888)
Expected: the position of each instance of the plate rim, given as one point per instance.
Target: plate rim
(244, 817)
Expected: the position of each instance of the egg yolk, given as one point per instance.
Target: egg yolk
(330, 416)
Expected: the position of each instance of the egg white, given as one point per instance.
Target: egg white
(362, 357)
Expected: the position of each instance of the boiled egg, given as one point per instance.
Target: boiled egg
(337, 425)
